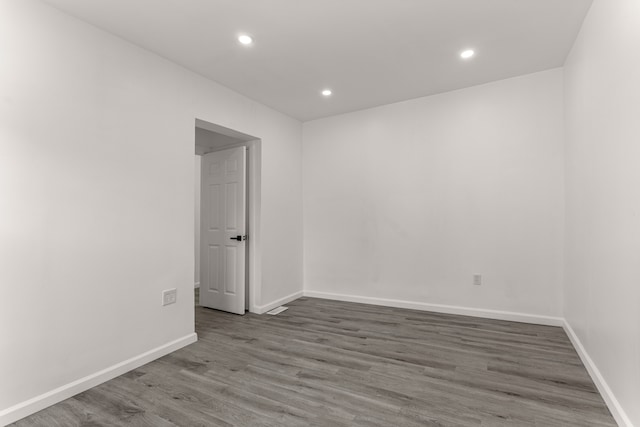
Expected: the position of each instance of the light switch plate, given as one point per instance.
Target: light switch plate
(169, 296)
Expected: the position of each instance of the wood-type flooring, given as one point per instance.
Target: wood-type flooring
(329, 363)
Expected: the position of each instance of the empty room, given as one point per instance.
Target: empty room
(319, 213)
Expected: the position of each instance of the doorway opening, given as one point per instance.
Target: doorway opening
(223, 221)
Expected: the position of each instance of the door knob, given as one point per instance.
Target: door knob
(239, 238)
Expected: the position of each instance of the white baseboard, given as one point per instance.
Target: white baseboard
(31, 406)
(260, 309)
(614, 406)
(439, 308)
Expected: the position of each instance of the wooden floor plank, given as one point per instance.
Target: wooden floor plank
(331, 363)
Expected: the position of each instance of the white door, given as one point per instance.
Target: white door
(223, 230)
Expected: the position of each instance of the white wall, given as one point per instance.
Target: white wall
(198, 180)
(602, 301)
(407, 201)
(97, 197)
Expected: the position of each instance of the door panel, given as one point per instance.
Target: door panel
(230, 270)
(214, 268)
(214, 209)
(223, 217)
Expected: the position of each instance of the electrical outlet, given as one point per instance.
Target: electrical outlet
(169, 296)
(477, 279)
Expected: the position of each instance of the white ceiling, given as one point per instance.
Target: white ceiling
(369, 52)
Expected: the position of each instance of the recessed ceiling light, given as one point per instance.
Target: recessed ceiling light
(466, 54)
(245, 39)
(326, 92)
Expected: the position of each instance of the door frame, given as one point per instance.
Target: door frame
(253, 266)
